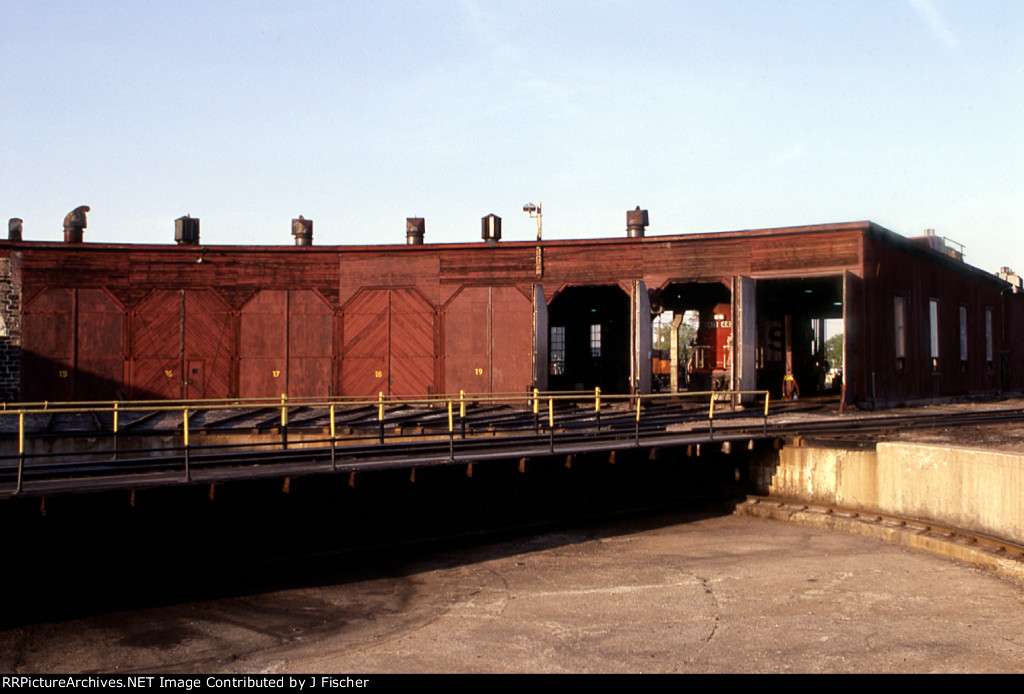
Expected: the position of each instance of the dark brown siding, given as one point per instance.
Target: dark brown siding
(898, 267)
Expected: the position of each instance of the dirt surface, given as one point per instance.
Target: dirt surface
(1007, 436)
(1000, 437)
(671, 594)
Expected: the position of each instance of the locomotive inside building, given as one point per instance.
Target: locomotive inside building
(701, 357)
(791, 333)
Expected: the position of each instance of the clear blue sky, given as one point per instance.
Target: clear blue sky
(712, 115)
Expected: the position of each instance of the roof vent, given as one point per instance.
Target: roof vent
(186, 231)
(636, 222)
(1008, 275)
(74, 223)
(14, 229)
(942, 244)
(415, 228)
(302, 230)
(490, 228)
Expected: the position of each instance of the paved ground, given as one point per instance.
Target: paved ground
(666, 595)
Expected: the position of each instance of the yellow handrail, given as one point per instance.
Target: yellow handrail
(598, 398)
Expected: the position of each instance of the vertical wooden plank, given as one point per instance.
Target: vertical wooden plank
(263, 345)
(412, 343)
(364, 353)
(466, 348)
(310, 344)
(155, 346)
(100, 353)
(511, 341)
(48, 346)
(209, 344)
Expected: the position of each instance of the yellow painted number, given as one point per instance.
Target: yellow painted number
(277, 373)
(378, 374)
(63, 373)
(168, 373)
(479, 372)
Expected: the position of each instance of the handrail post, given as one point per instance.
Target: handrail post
(597, 405)
(462, 412)
(184, 426)
(284, 421)
(639, 399)
(21, 449)
(334, 464)
(551, 423)
(536, 411)
(711, 416)
(451, 432)
(380, 413)
(115, 431)
(767, 396)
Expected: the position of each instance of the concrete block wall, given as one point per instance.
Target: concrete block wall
(978, 490)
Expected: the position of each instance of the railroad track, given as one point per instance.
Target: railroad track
(493, 433)
(984, 550)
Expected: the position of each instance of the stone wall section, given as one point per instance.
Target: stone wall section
(10, 328)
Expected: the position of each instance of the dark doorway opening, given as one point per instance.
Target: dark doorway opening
(794, 319)
(588, 339)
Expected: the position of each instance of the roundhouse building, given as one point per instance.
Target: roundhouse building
(95, 321)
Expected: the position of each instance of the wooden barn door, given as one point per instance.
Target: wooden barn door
(73, 346)
(388, 344)
(181, 345)
(99, 349)
(286, 345)
(488, 341)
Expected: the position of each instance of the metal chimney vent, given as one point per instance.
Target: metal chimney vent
(14, 229)
(636, 222)
(415, 228)
(74, 223)
(490, 228)
(186, 231)
(302, 230)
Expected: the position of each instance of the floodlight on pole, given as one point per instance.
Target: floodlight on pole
(534, 212)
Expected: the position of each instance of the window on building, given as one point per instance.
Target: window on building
(963, 339)
(988, 338)
(933, 326)
(900, 320)
(595, 341)
(557, 350)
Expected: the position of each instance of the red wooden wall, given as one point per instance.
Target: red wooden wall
(105, 321)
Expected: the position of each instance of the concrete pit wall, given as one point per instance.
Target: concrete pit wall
(976, 490)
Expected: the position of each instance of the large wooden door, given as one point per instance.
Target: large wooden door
(388, 344)
(73, 346)
(286, 345)
(488, 342)
(182, 343)
(100, 347)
